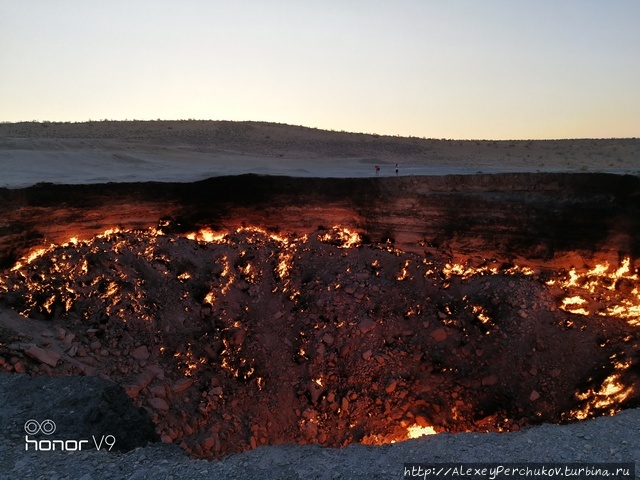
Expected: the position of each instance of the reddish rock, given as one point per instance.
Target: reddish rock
(367, 355)
(47, 357)
(366, 325)
(158, 391)
(534, 396)
(489, 380)
(140, 382)
(315, 391)
(391, 387)
(439, 335)
(237, 337)
(19, 367)
(208, 443)
(159, 404)
(182, 385)
(422, 420)
(328, 339)
(140, 353)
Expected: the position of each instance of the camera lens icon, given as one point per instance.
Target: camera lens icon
(33, 426)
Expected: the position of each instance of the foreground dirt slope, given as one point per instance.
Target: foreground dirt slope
(606, 439)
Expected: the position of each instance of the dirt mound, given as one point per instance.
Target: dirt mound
(234, 340)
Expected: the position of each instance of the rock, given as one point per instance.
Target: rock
(366, 325)
(140, 353)
(489, 380)
(159, 404)
(47, 357)
(217, 391)
(534, 396)
(344, 405)
(140, 382)
(237, 337)
(315, 391)
(367, 355)
(182, 385)
(349, 290)
(439, 335)
(391, 387)
(328, 339)
(95, 345)
(19, 367)
(60, 333)
(208, 443)
(422, 421)
(158, 391)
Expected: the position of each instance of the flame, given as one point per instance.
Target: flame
(344, 237)
(572, 304)
(404, 273)
(610, 395)
(481, 314)
(600, 284)
(206, 235)
(416, 431)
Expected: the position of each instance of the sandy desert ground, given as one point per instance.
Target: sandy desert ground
(98, 152)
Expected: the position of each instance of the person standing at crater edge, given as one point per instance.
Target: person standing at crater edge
(396, 169)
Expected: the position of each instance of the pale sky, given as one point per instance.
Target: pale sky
(491, 69)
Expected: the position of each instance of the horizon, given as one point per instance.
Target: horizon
(500, 70)
(280, 124)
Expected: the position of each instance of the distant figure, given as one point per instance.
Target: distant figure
(377, 170)
(396, 169)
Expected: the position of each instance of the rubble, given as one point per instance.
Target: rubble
(251, 338)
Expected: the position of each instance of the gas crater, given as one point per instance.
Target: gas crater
(332, 311)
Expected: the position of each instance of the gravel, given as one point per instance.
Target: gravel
(605, 439)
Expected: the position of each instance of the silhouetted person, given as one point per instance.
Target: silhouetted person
(396, 169)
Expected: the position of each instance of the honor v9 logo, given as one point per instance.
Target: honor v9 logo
(48, 427)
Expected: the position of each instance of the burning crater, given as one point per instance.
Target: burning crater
(238, 337)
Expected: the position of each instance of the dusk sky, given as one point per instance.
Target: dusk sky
(497, 69)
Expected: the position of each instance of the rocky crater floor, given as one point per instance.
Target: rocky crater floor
(252, 312)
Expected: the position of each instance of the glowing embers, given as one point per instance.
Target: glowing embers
(416, 431)
(206, 235)
(574, 305)
(608, 397)
(604, 290)
(341, 237)
(481, 314)
(464, 271)
(404, 273)
(188, 362)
